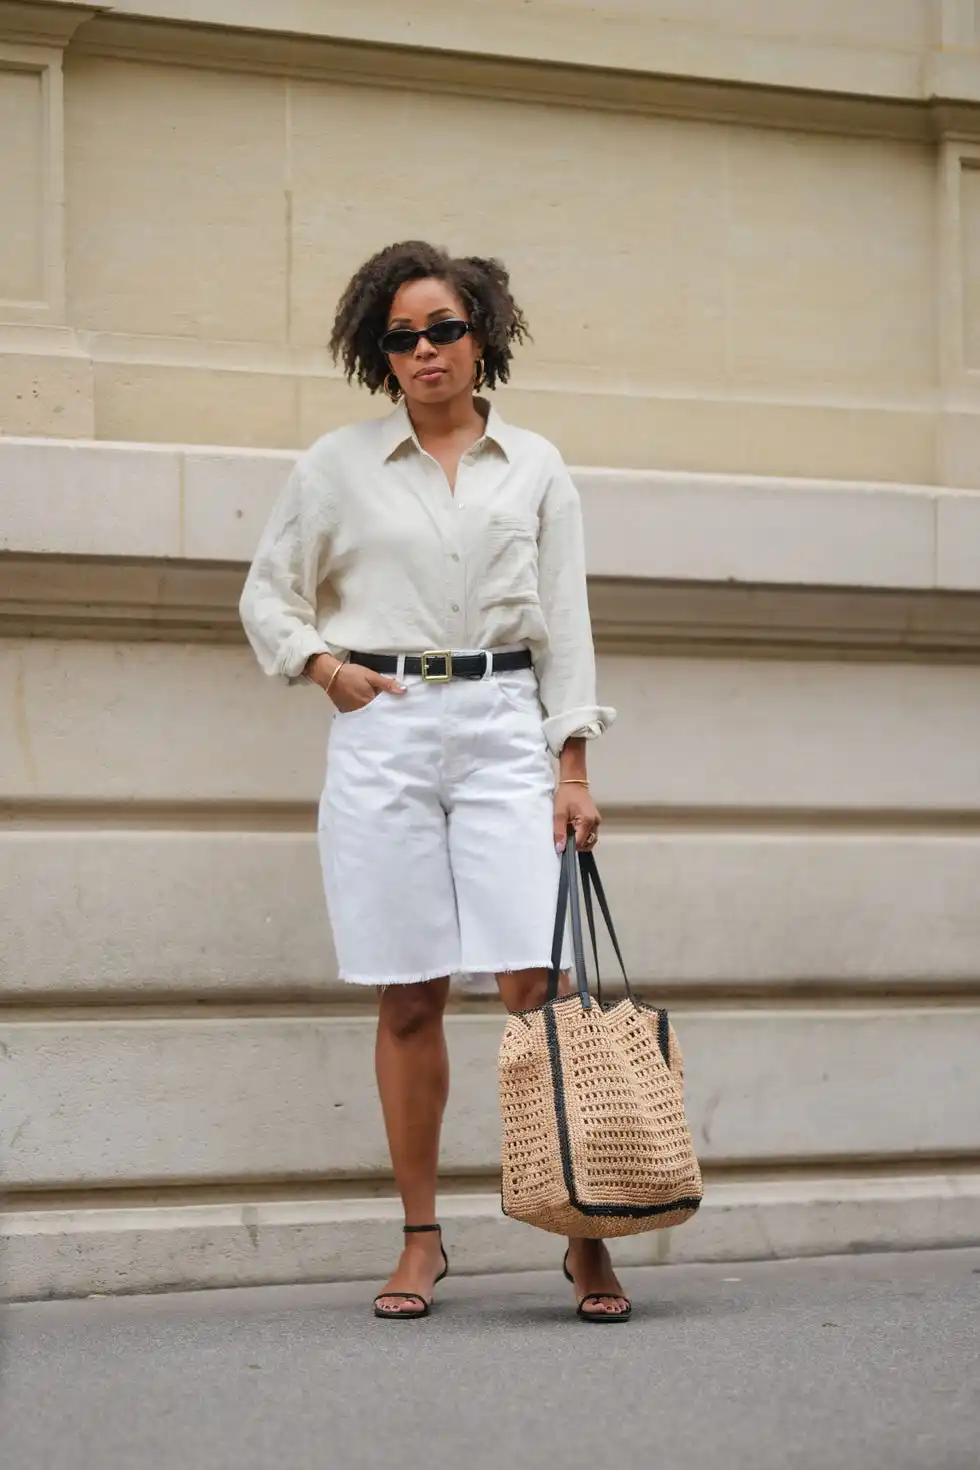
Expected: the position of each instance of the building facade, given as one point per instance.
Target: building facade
(747, 236)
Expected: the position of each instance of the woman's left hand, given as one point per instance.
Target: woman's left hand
(574, 807)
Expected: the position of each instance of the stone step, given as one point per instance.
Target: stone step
(705, 734)
(80, 1251)
(694, 908)
(142, 1101)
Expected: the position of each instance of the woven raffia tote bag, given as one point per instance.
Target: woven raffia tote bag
(595, 1138)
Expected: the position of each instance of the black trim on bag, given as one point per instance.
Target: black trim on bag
(558, 1088)
(663, 1035)
(633, 1212)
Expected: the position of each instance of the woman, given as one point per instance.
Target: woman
(426, 570)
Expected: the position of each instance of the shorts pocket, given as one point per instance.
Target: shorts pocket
(352, 714)
(520, 693)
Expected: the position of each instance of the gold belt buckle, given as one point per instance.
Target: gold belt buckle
(434, 653)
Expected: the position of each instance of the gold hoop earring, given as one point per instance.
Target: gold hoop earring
(481, 376)
(394, 393)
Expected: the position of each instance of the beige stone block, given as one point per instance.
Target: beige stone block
(126, 912)
(959, 449)
(50, 395)
(158, 403)
(152, 722)
(959, 23)
(834, 1076)
(728, 434)
(776, 286)
(177, 181)
(22, 163)
(902, 23)
(169, 723)
(59, 1252)
(954, 73)
(584, 23)
(719, 529)
(958, 541)
(722, 907)
(654, 524)
(825, 295)
(327, 403)
(175, 912)
(78, 500)
(293, 1097)
(227, 500)
(569, 227)
(740, 735)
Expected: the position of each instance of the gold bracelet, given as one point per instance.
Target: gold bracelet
(329, 684)
(572, 781)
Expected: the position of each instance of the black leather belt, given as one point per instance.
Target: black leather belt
(440, 665)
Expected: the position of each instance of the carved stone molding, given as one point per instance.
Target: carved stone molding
(42, 24)
(103, 599)
(793, 86)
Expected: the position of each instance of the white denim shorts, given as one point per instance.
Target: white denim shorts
(436, 832)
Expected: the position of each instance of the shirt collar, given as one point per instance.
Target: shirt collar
(397, 430)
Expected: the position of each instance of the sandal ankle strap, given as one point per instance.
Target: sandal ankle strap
(419, 1229)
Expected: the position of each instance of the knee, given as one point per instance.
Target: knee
(524, 990)
(410, 1010)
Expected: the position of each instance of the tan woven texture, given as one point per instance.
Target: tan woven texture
(628, 1139)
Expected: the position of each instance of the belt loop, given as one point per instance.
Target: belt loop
(400, 668)
(489, 668)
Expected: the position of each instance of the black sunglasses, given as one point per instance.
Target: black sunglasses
(405, 339)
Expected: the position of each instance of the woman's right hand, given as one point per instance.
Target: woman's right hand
(353, 686)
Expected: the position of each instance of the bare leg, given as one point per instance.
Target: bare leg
(413, 1080)
(588, 1260)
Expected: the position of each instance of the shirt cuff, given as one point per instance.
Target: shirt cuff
(581, 724)
(296, 653)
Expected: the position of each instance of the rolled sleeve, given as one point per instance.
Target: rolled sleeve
(278, 605)
(577, 724)
(297, 652)
(566, 666)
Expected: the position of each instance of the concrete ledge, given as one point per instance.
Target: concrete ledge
(168, 503)
(711, 735)
(78, 1252)
(188, 1100)
(124, 917)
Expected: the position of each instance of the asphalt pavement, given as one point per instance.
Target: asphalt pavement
(858, 1363)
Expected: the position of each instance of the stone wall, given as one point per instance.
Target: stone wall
(748, 239)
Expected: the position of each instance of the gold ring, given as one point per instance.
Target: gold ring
(592, 839)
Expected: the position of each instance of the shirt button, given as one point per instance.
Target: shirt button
(454, 556)
(455, 607)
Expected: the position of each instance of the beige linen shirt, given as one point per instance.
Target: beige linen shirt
(368, 549)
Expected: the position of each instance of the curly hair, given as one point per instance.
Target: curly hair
(482, 285)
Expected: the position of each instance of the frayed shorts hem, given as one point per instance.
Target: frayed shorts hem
(381, 981)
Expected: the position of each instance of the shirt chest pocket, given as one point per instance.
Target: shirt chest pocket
(510, 561)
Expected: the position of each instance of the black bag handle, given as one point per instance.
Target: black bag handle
(568, 897)
(590, 880)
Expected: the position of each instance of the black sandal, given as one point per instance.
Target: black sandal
(424, 1307)
(599, 1296)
